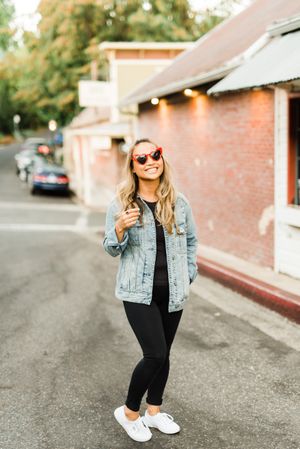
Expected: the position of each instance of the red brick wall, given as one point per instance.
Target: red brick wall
(221, 150)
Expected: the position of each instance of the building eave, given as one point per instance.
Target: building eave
(145, 45)
(284, 26)
(203, 78)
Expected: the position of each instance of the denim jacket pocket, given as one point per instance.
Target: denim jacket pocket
(135, 233)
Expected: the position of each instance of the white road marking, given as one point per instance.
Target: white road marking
(41, 206)
(19, 227)
(82, 220)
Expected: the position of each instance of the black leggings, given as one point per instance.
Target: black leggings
(155, 328)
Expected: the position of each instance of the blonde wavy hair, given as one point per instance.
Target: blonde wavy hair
(127, 192)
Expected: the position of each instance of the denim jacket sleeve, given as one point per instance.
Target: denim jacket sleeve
(192, 242)
(110, 242)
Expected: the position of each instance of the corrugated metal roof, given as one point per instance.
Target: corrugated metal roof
(278, 62)
(222, 47)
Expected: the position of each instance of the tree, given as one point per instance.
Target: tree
(44, 75)
(6, 35)
(6, 14)
(68, 36)
(158, 20)
(218, 11)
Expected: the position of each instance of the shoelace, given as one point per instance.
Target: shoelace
(166, 415)
(137, 427)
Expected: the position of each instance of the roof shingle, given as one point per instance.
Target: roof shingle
(218, 48)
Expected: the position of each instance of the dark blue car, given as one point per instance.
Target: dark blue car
(47, 175)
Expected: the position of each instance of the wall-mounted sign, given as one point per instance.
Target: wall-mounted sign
(95, 93)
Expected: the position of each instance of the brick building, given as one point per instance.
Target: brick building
(227, 114)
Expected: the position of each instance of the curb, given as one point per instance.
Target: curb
(281, 301)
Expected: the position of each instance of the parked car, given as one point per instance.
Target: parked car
(33, 142)
(25, 157)
(46, 174)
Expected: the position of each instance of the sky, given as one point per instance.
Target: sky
(26, 16)
(28, 19)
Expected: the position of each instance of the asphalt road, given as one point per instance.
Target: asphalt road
(67, 351)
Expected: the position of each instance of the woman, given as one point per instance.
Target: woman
(152, 227)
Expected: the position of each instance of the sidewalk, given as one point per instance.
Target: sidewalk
(276, 291)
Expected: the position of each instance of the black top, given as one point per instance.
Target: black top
(161, 266)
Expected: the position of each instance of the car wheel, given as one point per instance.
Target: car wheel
(32, 188)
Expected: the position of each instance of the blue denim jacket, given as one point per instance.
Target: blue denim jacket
(134, 281)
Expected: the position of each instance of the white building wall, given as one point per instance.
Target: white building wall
(287, 217)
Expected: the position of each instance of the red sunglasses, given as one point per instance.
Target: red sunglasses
(142, 158)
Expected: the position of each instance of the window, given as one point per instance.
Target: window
(294, 153)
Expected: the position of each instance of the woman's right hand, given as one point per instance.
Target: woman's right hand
(128, 218)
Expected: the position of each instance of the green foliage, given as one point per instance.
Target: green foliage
(6, 14)
(6, 107)
(158, 20)
(217, 12)
(42, 77)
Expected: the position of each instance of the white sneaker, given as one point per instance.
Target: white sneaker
(161, 421)
(137, 429)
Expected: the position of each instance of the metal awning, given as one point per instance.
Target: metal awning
(277, 62)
